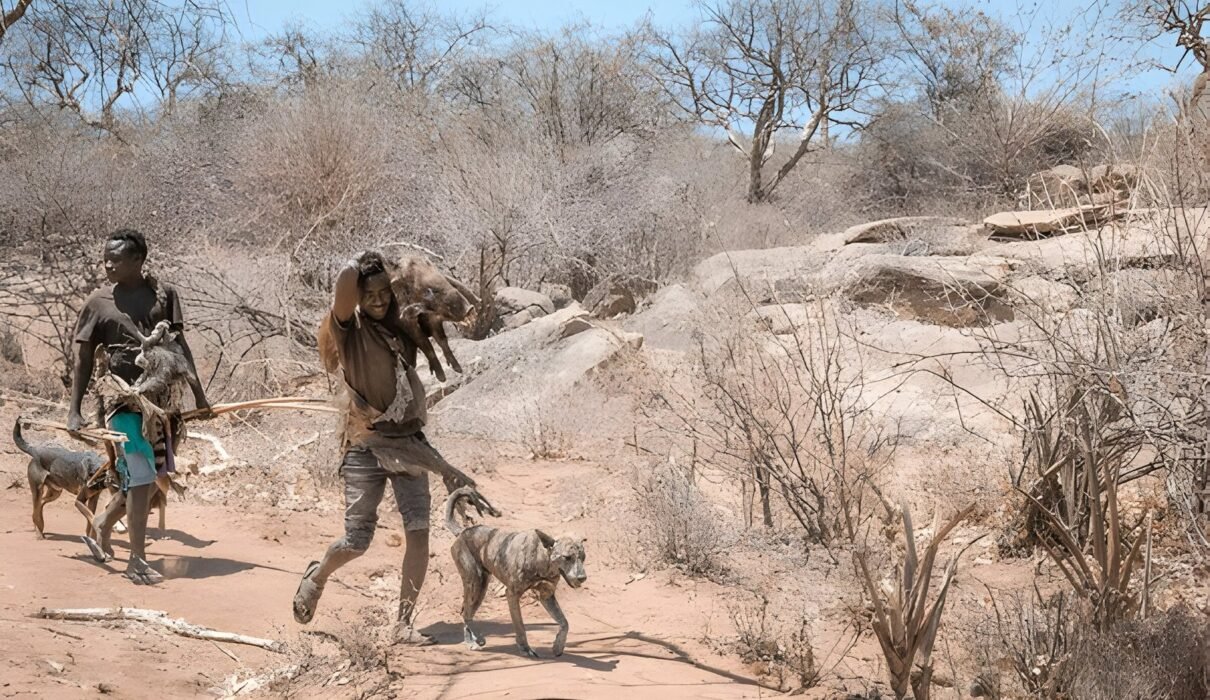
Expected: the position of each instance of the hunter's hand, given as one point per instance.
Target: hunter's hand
(204, 410)
(452, 484)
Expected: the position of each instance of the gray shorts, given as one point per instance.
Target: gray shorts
(365, 482)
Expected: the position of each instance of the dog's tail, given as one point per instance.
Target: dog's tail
(20, 442)
(451, 503)
(476, 499)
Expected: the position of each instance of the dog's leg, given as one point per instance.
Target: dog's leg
(474, 587)
(86, 503)
(514, 609)
(47, 494)
(556, 613)
(35, 489)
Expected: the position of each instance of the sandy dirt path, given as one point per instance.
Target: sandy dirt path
(236, 570)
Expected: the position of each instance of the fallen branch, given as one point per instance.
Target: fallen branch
(155, 617)
(26, 398)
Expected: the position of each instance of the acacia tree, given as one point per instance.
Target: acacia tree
(976, 108)
(416, 46)
(9, 15)
(86, 56)
(759, 68)
(1185, 22)
(951, 57)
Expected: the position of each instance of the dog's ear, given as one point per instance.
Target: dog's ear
(547, 540)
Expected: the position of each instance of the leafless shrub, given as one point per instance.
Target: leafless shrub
(43, 298)
(584, 88)
(361, 638)
(417, 47)
(763, 642)
(1035, 637)
(676, 524)
(317, 161)
(904, 622)
(786, 413)
(542, 435)
(89, 58)
(975, 111)
(1054, 651)
(1166, 657)
(10, 344)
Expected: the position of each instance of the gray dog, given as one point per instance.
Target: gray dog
(521, 561)
(53, 470)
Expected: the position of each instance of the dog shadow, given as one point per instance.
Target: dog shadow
(182, 537)
(448, 633)
(451, 632)
(61, 537)
(199, 567)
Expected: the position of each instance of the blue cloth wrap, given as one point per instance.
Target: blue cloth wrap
(136, 461)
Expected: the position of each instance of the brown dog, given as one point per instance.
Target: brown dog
(53, 470)
(522, 561)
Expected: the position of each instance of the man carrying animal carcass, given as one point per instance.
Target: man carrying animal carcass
(115, 320)
(364, 337)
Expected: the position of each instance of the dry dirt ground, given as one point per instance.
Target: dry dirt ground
(236, 569)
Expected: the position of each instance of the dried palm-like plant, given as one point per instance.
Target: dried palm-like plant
(905, 622)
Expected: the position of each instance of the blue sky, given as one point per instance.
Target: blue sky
(259, 17)
(542, 14)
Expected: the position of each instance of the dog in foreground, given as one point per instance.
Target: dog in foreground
(522, 561)
(53, 470)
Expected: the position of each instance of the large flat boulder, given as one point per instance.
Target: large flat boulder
(1035, 294)
(1031, 225)
(763, 267)
(669, 320)
(896, 229)
(942, 290)
(1069, 186)
(510, 300)
(493, 404)
(516, 307)
(774, 275)
(510, 375)
(1078, 256)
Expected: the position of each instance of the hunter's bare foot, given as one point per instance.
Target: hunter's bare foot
(98, 553)
(140, 573)
(306, 598)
